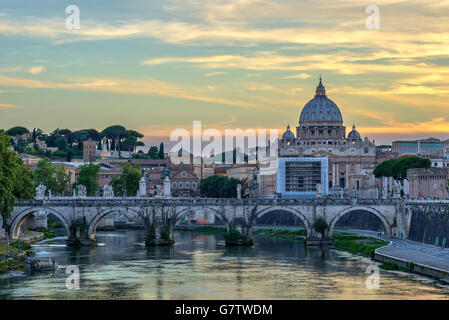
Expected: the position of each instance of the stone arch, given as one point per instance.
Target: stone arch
(17, 220)
(373, 211)
(213, 210)
(93, 224)
(297, 213)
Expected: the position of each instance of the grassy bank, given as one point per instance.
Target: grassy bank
(16, 248)
(297, 235)
(357, 244)
(19, 248)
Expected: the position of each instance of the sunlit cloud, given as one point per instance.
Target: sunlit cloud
(36, 70)
(9, 106)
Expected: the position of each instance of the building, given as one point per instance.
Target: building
(320, 134)
(302, 177)
(184, 180)
(424, 147)
(242, 172)
(431, 183)
(30, 160)
(184, 183)
(89, 150)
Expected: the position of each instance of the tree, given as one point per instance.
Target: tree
(20, 145)
(153, 152)
(88, 177)
(397, 168)
(15, 179)
(115, 132)
(61, 143)
(320, 225)
(219, 187)
(54, 178)
(128, 183)
(161, 151)
(17, 131)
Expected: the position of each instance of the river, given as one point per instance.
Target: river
(199, 266)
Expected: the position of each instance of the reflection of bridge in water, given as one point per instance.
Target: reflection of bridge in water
(82, 216)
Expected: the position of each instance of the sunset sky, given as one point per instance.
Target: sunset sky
(158, 65)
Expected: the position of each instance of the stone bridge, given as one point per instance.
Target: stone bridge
(81, 216)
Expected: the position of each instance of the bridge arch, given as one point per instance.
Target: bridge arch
(214, 211)
(297, 213)
(373, 211)
(17, 220)
(93, 224)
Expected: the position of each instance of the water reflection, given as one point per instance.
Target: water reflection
(199, 266)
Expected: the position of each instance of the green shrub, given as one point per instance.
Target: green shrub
(20, 245)
(388, 265)
(49, 234)
(232, 235)
(165, 235)
(320, 225)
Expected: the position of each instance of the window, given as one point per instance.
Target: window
(366, 150)
(193, 185)
(181, 186)
(187, 185)
(174, 185)
(184, 174)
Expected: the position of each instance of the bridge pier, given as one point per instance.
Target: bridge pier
(40, 221)
(159, 235)
(79, 234)
(316, 239)
(239, 235)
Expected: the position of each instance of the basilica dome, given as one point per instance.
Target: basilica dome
(321, 108)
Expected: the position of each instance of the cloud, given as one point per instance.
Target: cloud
(127, 86)
(9, 106)
(36, 70)
(297, 76)
(436, 125)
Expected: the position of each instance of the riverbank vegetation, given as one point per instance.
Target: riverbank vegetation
(357, 244)
(17, 249)
(297, 235)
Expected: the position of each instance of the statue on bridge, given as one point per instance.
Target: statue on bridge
(142, 187)
(40, 191)
(108, 191)
(81, 191)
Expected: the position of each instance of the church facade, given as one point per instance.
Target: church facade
(321, 133)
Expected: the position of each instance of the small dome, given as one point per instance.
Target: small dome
(354, 134)
(288, 134)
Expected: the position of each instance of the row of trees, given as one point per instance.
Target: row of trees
(70, 143)
(397, 168)
(153, 153)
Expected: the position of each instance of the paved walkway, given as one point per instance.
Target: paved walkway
(421, 253)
